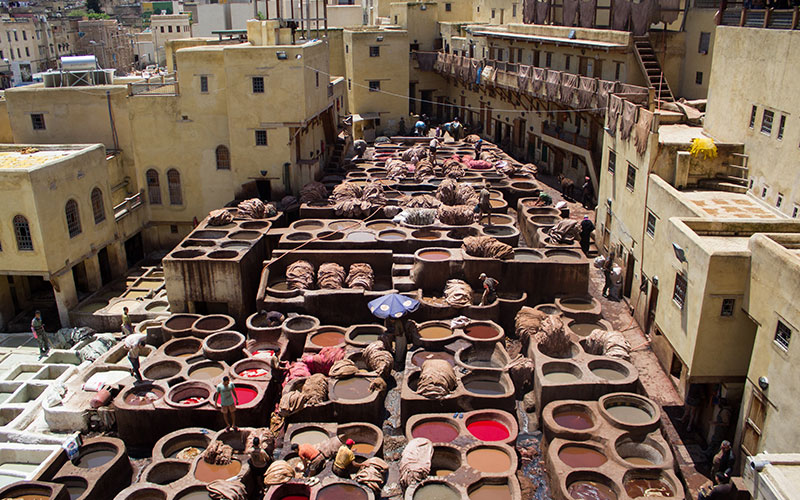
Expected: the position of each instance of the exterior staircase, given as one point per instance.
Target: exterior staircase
(736, 180)
(652, 68)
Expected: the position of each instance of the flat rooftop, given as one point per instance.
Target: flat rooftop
(725, 205)
(29, 158)
(678, 133)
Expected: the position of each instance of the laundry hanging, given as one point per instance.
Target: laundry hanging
(614, 110)
(643, 125)
(569, 84)
(628, 120)
(523, 77)
(542, 10)
(620, 15)
(553, 83)
(568, 12)
(587, 11)
(586, 92)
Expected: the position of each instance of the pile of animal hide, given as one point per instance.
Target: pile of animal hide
(453, 168)
(219, 218)
(527, 322)
(266, 439)
(255, 209)
(322, 361)
(300, 275)
(458, 293)
(565, 231)
(451, 192)
(218, 453)
(607, 343)
(458, 215)
(423, 201)
(313, 392)
(313, 191)
(520, 369)
(551, 337)
(378, 358)
(472, 138)
(330, 276)
(372, 474)
(343, 368)
(361, 276)
(437, 379)
(346, 190)
(361, 204)
(424, 170)
(479, 164)
(278, 472)
(396, 169)
(414, 154)
(488, 247)
(227, 489)
(415, 462)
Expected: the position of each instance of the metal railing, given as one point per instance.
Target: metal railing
(778, 19)
(160, 85)
(130, 204)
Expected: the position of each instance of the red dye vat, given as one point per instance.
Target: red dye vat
(253, 373)
(244, 395)
(267, 351)
(488, 430)
(435, 430)
(191, 401)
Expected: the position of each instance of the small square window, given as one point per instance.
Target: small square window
(764, 192)
(753, 113)
(612, 161)
(617, 71)
(705, 42)
(630, 181)
(204, 84)
(548, 60)
(779, 201)
(679, 293)
(258, 84)
(169, 29)
(766, 122)
(448, 7)
(727, 307)
(651, 224)
(261, 137)
(37, 120)
(567, 61)
(173, 229)
(374, 85)
(698, 78)
(781, 127)
(374, 51)
(783, 334)
(162, 29)
(493, 13)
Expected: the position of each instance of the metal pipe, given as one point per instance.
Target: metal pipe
(316, 17)
(325, 13)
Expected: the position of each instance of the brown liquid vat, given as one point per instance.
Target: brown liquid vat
(143, 491)
(364, 434)
(584, 308)
(445, 461)
(179, 325)
(166, 472)
(629, 411)
(181, 347)
(35, 489)
(363, 335)
(570, 420)
(212, 323)
(169, 445)
(103, 462)
(252, 369)
(225, 346)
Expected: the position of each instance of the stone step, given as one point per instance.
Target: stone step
(401, 269)
(403, 258)
(732, 179)
(404, 284)
(722, 185)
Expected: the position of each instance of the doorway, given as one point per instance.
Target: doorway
(105, 266)
(629, 267)
(134, 250)
(498, 132)
(652, 302)
(412, 94)
(426, 105)
(264, 189)
(81, 278)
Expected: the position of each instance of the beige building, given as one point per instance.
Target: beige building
(109, 42)
(167, 27)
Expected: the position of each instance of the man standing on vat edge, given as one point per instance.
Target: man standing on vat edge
(228, 400)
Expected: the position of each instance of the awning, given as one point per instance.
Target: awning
(365, 117)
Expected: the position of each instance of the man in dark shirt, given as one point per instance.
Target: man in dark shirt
(587, 227)
(489, 289)
(724, 490)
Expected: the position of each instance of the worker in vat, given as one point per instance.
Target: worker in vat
(478, 146)
(259, 460)
(135, 344)
(484, 205)
(344, 459)
(313, 460)
(127, 326)
(37, 328)
(544, 200)
(724, 489)
(228, 399)
(273, 318)
(489, 289)
(433, 146)
(397, 327)
(360, 147)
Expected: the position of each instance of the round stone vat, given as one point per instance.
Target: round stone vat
(437, 429)
(330, 235)
(392, 235)
(341, 491)
(582, 455)
(157, 306)
(143, 394)
(223, 254)
(209, 234)
(197, 243)
(360, 236)
(482, 358)
(206, 370)
(643, 483)
(297, 329)
(572, 352)
(491, 489)
(421, 356)
(368, 438)
(254, 347)
(583, 327)
(236, 245)
(527, 255)
(491, 425)
(182, 445)
(162, 369)
(579, 307)
(495, 231)
(307, 434)
(289, 491)
(182, 347)
(258, 323)
(491, 460)
(189, 394)
(224, 346)
(298, 236)
(212, 323)
(587, 484)
(608, 370)
(350, 388)
(328, 336)
(560, 373)
(434, 254)
(548, 308)
(281, 289)
(254, 225)
(380, 225)
(252, 369)
(193, 493)
(563, 256)
(140, 491)
(570, 417)
(445, 461)
(307, 225)
(435, 330)
(545, 220)
(363, 335)
(96, 455)
(180, 325)
(432, 489)
(483, 331)
(235, 438)
(245, 235)
(340, 225)
(531, 210)
(462, 232)
(523, 185)
(629, 411)
(245, 394)
(29, 490)
(426, 234)
(483, 384)
(166, 472)
(76, 486)
(640, 451)
(500, 204)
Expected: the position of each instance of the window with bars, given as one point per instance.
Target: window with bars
(37, 121)
(753, 113)
(783, 334)
(97, 206)
(22, 231)
(679, 293)
(766, 122)
(651, 224)
(258, 84)
(223, 158)
(153, 187)
(612, 161)
(374, 51)
(174, 187)
(448, 7)
(73, 218)
(630, 180)
(781, 127)
(261, 137)
(374, 85)
(727, 307)
(204, 84)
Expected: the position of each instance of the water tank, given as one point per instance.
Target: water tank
(78, 63)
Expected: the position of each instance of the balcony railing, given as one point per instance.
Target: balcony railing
(778, 19)
(129, 205)
(159, 85)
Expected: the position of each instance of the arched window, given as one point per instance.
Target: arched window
(97, 206)
(174, 184)
(223, 158)
(23, 233)
(153, 187)
(73, 218)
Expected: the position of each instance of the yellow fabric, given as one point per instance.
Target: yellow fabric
(344, 457)
(704, 146)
